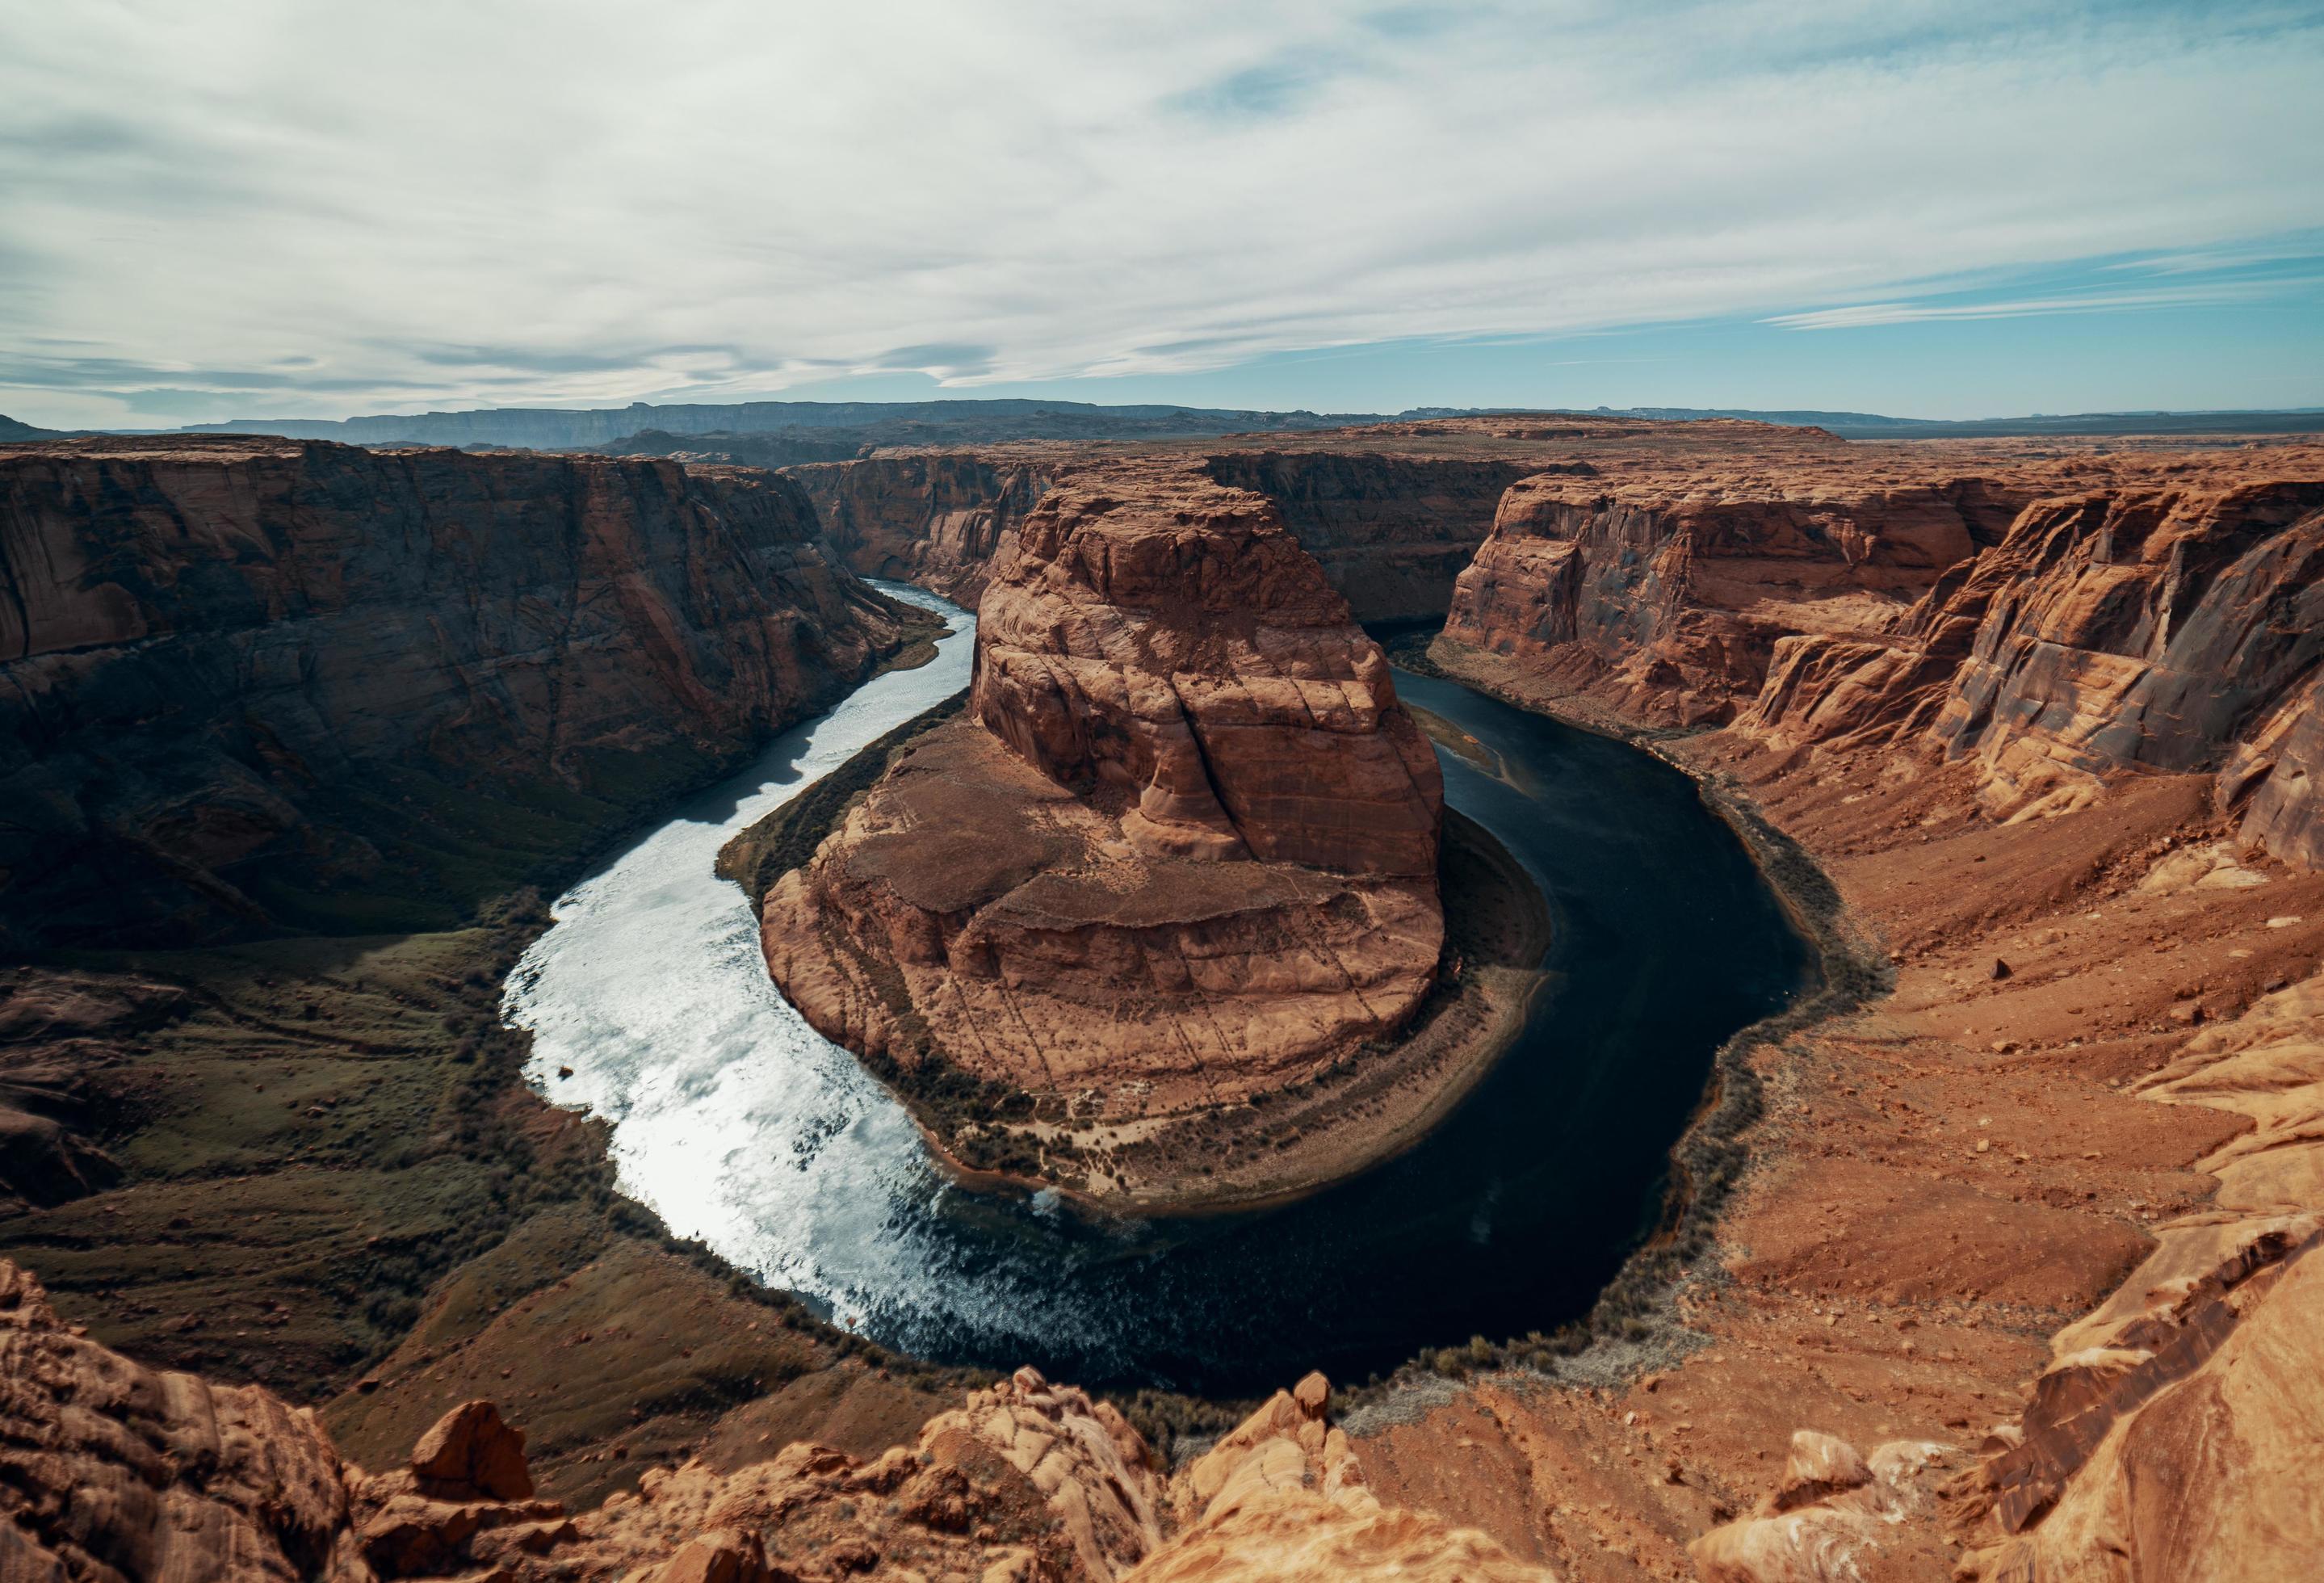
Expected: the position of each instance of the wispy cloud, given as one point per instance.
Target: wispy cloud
(1861, 315)
(300, 209)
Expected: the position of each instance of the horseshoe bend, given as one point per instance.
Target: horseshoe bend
(1162, 895)
(699, 885)
(1178, 859)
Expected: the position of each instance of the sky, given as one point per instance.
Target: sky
(237, 208)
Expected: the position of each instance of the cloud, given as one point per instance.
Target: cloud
(1863, 315)
(554, 203)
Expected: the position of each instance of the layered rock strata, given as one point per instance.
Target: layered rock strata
(2174, 630)
(253, 684)
(938, 518)
(1184, 850)
(1391, 533)
(1671, 608)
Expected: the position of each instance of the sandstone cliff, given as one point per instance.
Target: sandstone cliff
(1391, 533)
(2171, 630)
(2059, 786)
(934, 518)
(1185, 849)
(260, 683)
(1670, 606)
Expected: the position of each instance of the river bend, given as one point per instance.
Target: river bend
(741, 1126)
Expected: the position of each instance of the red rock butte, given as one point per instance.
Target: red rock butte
(1182, 851)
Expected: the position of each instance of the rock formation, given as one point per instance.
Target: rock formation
(1282, 1499)
(935, 518)
(1391, 533)
(2172, 630)
(248, 678)
(1184, 850)
(2174, 1423)
(1670, 603)
(109, 1472)
(1834, 1516)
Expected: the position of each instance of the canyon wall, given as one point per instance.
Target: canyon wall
(2058, 770)
(1391, 533)
(255, 684)
(1183, 851)
(2169, 631)
(934, 518)
(1669, 602)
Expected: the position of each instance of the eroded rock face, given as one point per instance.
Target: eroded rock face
(2167, 630)
(1283, 1499)
(1174, 641)
(1183, 851)
(938, 518)
(1671, 605)
(1391, 533)
(1834, 1516)
(246, 677)
(111, 1472)
(2171, 1433)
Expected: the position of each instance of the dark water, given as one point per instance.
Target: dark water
(742, 1127)
(1521, 1206)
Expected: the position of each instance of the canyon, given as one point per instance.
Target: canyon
(1391, 529)
(2015, 1280)
(254, 684)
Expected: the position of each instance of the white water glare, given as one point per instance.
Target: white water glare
(733, 1119)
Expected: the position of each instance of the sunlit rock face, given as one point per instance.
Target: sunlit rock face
(1669, 600)
(2174, 630)
(1184, 848)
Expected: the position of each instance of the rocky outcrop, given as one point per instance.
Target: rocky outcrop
(1283, 1499)
(110, 1472)
(1391, 533)
(1834, 1516)
(2175, 1424)
(1183, 851)
(1670, 604)
(935, 518)
(2175, 630)
(252, 684)
(1177, 644)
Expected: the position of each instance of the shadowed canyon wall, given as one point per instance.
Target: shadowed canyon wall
(934, 518)
(246, 684)
(1391, 531)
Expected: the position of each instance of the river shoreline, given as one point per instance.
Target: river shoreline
(1708, 1160)
(1306, 1138)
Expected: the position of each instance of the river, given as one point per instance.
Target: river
(741, 1126)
